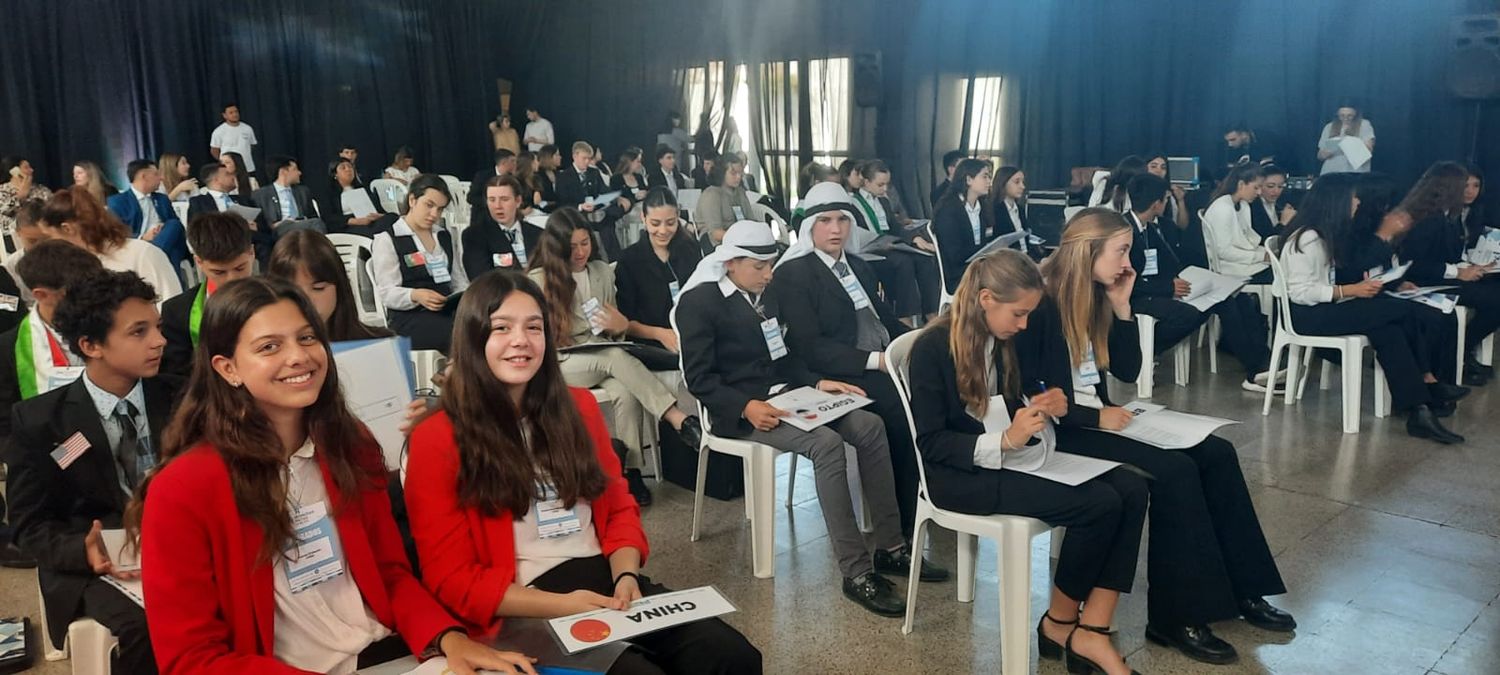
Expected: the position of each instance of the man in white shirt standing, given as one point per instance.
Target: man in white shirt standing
(235, 136)
(538, 131)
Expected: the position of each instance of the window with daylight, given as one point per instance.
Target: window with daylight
(986, 118)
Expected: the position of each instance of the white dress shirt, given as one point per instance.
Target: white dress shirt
(1309, 276)
(386, 265)
(1236, 247)
(149, 217)
(222, 200)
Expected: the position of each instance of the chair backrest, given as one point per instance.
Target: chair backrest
(390, 193)
(703, 416)
(937, 255)
(1278, 284)
(354, 251)
(687, 200)
(181, 209)
(898, 361)
(1208, 243)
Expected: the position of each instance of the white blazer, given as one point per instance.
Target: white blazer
(1233, 247)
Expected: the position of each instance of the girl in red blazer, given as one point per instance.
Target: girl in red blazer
(267, 542)
(522, 509)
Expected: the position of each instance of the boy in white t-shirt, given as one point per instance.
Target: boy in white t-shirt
(234, 136)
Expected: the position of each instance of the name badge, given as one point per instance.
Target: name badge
(437, 266)
(519, 250)
(739, 214)
(594, 310)
(1151, 261)
(674, 288)
(1088, 371)
(62, 377)
(9, 303)
(855, 290)
(771, 330)
(552, 518)
(502, 260)
(314, 556)
(1331, 281)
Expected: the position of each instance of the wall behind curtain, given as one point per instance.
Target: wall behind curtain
(112, 80)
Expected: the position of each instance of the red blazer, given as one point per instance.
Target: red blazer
(211, 608)
(468, 559)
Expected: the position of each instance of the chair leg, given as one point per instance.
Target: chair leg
(791, 480)
(703, 454)
(763, 519)
(1353, 373)
(1015, 600)
(1382, 392)
(1146, 381)
(968, 555)
(1182, 357)
(1277, 348)
(1325, 376)
(918, 540)
(1293, 363)
(1213, 344)
(746, 468)
(1487, 351)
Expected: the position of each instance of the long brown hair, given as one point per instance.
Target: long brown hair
(311, 250)
(554, 253)
(1005, 274)
(97, 226)
(228, 419)
(170, 176)
(1358, 123)
(96, 182)
(498, 473)
(1085, 310)
(1440, 190)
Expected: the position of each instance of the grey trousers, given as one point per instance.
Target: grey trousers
(825, 447)
(634, 389)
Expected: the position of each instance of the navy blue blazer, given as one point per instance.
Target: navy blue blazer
(124, 205)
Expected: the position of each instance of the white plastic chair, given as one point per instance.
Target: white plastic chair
(1182, 356)
(1012, 535)
(354, 251)
(391, 193)
(687, 200)
(944, 298)
(88, 643)
(1351, 349)
(426, 363)
(181, 209)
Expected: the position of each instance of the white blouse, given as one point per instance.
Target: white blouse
(386, 265)
(148, 261)
(1236, 247)
(1309, 276)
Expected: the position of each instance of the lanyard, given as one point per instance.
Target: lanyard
(870, 212)
(195, 316)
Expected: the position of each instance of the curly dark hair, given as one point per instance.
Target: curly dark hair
(56, 264)
(88, 309)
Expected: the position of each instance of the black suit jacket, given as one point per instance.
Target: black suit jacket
(548, 189)
(10, 387)
(725, 359)
(938, 191)
(270, 207)
(176, 314)
(956, 238)
(812, 298)
(1168, 266)
(643, 283)
(478, 211)
(10, 293)
(483, 240)
(205, 203)
(1430, 246)
(52, 508)
(573, 189)
(658, 178)
(338, 221)
(1043, 354)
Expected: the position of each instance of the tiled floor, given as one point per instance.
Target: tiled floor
(1391, 548)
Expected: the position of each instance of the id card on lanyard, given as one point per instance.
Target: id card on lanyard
(437, 267)
(855, 290)
(1151, 263)
(553, 519)
(770, 329)
(1088, 370)
(314, 556)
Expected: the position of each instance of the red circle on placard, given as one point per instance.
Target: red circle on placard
(590, 630)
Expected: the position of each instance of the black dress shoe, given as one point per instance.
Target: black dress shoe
(1443, 409)
(1079, 664)
(1473, 364)
(1196, 642)
(1447, 392)
(1045, 646)
(637, 485)
(1421, 422)
(1259, 613)
(691, 432)
(1474, 379)
(898, 563)
(875, 593)
(15, 558)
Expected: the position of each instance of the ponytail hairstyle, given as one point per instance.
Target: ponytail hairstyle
(1119, 180)
(1085, 310)
(227, 420)
(97, 226)
(499, 463)
(1006, 275)
(1244, 173)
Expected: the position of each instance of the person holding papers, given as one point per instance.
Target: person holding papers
(1009, 209)
(980, 457)
(651, 272)
(735, 357)
(500, 239)
(77, 452)
(1208, 560)
(33, 358)
(580, 185)
(265, 532)
(1234, 249)
(308, 260)
(74, 216)
(359, 210)
(964, 220)
(1435, 247)
(222, 249)
(1396, 328)
(1162, 293)
(913, 276)
(1347, 142)
(218, 192)
(416, 268)
(843, 327)
(284, 205)
(522, 511)
(580, 291)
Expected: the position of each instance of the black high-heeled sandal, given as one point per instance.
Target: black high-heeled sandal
(1081, 665)
(1045, 646)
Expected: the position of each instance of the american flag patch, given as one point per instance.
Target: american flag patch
(70, 449)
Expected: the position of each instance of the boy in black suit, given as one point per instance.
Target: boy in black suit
(78, 452)
(499, 239)
(222, 248)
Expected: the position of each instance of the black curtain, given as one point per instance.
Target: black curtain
(113, 80)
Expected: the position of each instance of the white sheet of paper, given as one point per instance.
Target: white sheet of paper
(1070, 469)
(1354, 150)
(1002, 241)
(605, 199)
(1419, 291)
(647, 615)
(811, 408)
(132, 589)
(249, 213)
(356, 203)
(125, 558)
(1208, 288)
(1390, 276)
(1155, 425)
(377, 389)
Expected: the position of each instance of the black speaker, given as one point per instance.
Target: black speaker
(869, 86)
(1474, 64)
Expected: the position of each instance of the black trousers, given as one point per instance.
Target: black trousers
(911, 282)
(1104, 517)
(1207, 548)
(1483, 297)
(1407, 340)
(903, 453)
(427, 329)
(1243, 329)
(709, 646)
(111, 608)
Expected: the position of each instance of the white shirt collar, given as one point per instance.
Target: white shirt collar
(828, 260)
(978, 205)
(402, 229)
(1136, 220)
(727, 287)
(138, 194)
(105, 402)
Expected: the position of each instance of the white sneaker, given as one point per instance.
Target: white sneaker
(1265, 376)
(1252, 385)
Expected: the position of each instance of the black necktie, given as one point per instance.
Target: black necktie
(128, 450)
